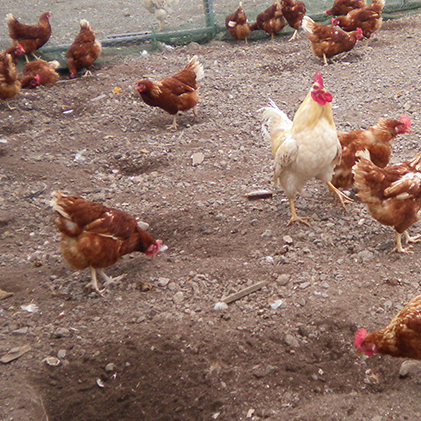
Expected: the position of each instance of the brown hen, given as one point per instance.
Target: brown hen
(39, 72)
(401, 338)
(176, 93)
(30, 37)
(84, 51)
(293, 12)
(392, 194)
(237, 24)
(9, 84)
(95, 236)
(343, 7)
(271, 20)
(376, 140)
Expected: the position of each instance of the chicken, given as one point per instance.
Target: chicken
(237, 24)
(376, 140)
(95, 236)
(39, 72)
(9, 84)
(306, 147)
(31, 37)
(15, 52)
(160, 9)
(293, 12)
(401, 338)
(176, 93)
(392, 194)
(271, 20)
(328, 41)
(84, 51)
(368, 18)
(343, 7)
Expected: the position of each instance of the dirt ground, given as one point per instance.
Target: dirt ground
(154, 348)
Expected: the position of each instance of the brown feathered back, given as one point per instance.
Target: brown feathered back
(84, 51)
(31, 37)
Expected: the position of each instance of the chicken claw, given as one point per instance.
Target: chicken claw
(399, 248)
(343, 198)
(93, 285)
(295, 217)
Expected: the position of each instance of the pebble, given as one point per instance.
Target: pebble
(283, 279)
(292, 341)
(61, 332)
(61, 354)
(287, 239)
(110, 367)
(163, 282)
(178, 297)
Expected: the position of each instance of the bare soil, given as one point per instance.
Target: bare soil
(154, 348)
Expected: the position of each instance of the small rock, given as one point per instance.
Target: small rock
(276, 304)
(304, 285)
(267, 234)
(287, 239)
(21, 331)
(52, 361)
(409, 367)
(197, 158)
(283, 279)
(291, 341)
(163, 282)
(61, 354)
(110, 367)
(61, 332)
(178, 297)
(220, 306)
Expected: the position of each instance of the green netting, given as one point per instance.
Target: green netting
(146, 23)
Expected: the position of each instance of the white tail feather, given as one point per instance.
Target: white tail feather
(197, 68)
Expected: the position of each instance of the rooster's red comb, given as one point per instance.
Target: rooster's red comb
(359, 337)
(406, 121)
(319, 79)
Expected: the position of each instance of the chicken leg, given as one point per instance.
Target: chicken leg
(93, 285)
(409, 239)
(294, 36)
(295, 217)
(343, 198)
(174, 125)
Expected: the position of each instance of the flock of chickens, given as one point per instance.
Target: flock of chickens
(27, 39)
(360, 21)
(94, 236)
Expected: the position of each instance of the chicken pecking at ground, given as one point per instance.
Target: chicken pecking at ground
(328, 41)
(392, 194)
(38, 73)
(176, 93)
(9, 83)
(84, 51)
(271, 20)
(293, 12)
(368, 18)
(375, 139)
(30, 37)
(95, 236)
(401, 338)
(305, 148)
(343, 7)
(237, 24)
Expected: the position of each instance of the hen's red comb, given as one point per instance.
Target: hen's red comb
(406, 121)
(319, 79)
(359, 337)
(332, 22)
(360, 31)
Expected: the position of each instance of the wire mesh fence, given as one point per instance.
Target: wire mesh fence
(139, 22)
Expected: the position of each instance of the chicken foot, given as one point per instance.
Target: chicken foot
(294, 36)
(343, 198)
(295, 217)
(409, 239)
(93, 285)
(174, 125)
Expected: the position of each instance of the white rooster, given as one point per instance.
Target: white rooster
(305, 148)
